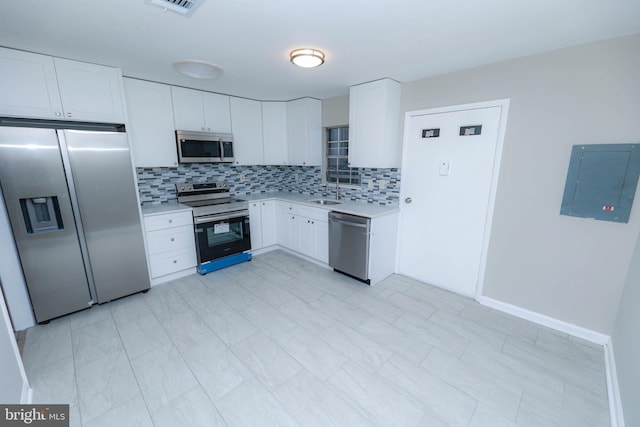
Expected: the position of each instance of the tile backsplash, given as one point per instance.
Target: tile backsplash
(157, 185)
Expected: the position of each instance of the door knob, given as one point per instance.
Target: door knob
(408, 200)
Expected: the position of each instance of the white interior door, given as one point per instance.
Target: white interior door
(447, 191)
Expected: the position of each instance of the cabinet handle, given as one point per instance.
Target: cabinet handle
(312, 222)
(170, 221)
(69, 115)
(173, 240)
(175, 261)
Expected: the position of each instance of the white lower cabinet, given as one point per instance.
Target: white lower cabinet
(303, 229)
(171, 244)
(262, 223)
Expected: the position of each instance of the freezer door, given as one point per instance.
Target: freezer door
(37, 200)
(106, 194)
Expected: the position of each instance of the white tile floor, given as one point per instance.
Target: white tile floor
(280, 341)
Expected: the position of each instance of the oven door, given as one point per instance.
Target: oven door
(218, 236)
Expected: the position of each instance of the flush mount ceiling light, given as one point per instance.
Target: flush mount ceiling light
(198, 69)
(307, 58)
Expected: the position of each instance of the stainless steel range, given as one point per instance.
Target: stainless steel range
(221, 224)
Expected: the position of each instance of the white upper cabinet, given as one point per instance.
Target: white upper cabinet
(150, 126)
(246, 124)
(304, 132)
(90, 92)
(28, 85)
(374, 120)
(274, 133)
(217, 113)
(188, 111)
(200, 111)
(41, 86)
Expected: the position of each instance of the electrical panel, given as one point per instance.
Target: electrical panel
(601, 181)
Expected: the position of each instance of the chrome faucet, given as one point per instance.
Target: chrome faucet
(338, 197)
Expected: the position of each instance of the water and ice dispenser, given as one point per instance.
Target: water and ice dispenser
(41, 214)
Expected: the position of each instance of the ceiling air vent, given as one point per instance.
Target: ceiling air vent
(183, 7)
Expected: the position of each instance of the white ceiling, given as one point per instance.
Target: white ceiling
(363, 40)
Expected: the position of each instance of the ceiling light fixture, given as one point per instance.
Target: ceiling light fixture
(198, 69)
(307, 58)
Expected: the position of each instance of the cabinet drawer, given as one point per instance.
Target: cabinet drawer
(175, 219)
(173, 261)
(170, 239)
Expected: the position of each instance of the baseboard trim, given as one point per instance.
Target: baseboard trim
(613, 388)
(541, 319)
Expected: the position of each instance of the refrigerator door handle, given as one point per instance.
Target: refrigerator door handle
(66, 162)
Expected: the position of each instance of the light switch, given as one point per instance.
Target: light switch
(444, 167)
(370, 185)
(382, 184)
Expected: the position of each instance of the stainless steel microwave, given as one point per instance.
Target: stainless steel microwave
(204, 147)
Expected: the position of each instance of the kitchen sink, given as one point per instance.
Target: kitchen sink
(325, 202)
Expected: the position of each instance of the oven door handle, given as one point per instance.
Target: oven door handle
(212, 218)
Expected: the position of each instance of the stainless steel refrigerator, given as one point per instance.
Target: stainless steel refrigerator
(71, 200)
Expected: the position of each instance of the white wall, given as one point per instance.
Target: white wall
(15, 289)
(15, 387)
(626, 343)
(335, 111)
(567, 268)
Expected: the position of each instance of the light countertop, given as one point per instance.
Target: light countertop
(346, 206)
(164, 208)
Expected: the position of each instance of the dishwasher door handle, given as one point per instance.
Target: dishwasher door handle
(350, 224)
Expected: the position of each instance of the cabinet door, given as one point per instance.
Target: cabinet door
(28, 85)
(274, 132)
(90, 92)
(374, 120)
(150, 128)
(246, 123)
(269, 223)
(321, 241)
(188, 111)
(306, 236)
(255, 225)
(284, 224)
(217, 113)
(304, 132)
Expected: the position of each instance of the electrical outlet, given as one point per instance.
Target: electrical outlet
(241, 178)
(370, 185)
(382, 184)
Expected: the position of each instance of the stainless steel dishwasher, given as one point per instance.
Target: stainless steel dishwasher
(349, 245)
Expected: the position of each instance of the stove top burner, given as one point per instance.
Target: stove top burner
(209, 198)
